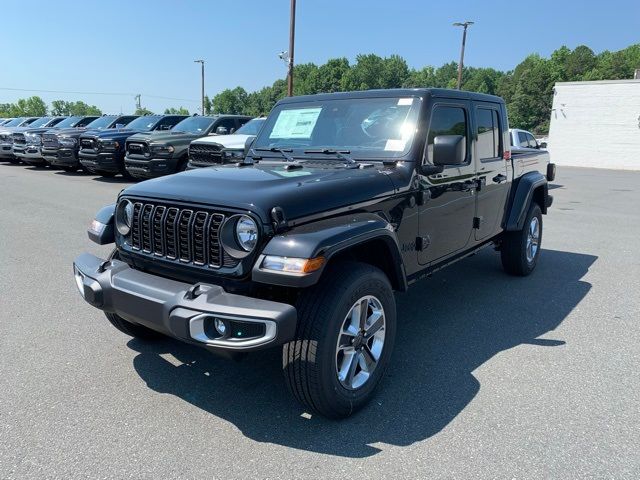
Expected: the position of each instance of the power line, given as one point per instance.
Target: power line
(117, 94)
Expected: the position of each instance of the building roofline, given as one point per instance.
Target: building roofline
(600, 82)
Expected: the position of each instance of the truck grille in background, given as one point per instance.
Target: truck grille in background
(50, 140)
(201, 153)
(19, 139)
(87, 143)
(137, 148)
(190, 236)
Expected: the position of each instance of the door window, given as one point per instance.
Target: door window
(488, 143)
(447, 121)
(532, 141)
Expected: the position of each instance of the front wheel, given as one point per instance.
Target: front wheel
(344, 339)
(520, 249)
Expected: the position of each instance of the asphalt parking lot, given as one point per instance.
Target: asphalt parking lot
(492, 376)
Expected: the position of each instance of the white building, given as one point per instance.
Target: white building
(596, 124)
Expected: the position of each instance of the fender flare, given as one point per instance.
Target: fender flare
(101, 230)
(521, 197)
(327, 238)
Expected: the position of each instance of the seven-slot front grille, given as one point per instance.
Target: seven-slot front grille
(190, 236)
(202, 153)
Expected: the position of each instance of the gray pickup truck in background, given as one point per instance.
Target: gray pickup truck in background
(526, 151)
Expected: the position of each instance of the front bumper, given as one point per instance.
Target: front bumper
(183, 311)
(6, 151)
(101, 161)
(61, 157)
(151, 167)
(29, 154)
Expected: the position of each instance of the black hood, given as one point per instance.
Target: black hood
(259, 188)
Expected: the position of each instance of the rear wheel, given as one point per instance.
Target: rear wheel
(344, 339)
(520, 249)
(69, 169)
(128, 328)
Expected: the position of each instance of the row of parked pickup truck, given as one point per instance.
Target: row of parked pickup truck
(144, 146)
(134, 146)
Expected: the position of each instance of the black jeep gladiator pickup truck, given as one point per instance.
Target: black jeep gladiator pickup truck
(342, 200)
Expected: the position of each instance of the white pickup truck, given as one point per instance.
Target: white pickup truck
(217, 149)
(526, 151)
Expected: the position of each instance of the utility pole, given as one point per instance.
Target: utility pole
(464, 25)
(201, 62)
(138, 98)
(292, 34)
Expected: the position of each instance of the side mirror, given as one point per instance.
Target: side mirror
(231, 131)
(543, 145)
(448, 150)
(248, 143)
(222, 131)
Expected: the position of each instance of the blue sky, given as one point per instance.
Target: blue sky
(148, 47)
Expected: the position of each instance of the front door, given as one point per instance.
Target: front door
(448, 206)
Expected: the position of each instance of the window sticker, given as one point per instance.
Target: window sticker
(296, 123)
(394, 145)
(405, 101)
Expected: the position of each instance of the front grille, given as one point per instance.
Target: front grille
(137, 148)
(202, 153)
(50, 140)
(189, 236)
(87, 143)
(19, 139)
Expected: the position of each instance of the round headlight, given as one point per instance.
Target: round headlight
(124, 216)
(246, 233)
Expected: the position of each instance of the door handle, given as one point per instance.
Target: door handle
(500, 178)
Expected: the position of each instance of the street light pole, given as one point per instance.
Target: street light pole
(292, 33)
(201, 62)
(464, 25)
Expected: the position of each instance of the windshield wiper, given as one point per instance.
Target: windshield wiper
(282, 151)
(341, 154)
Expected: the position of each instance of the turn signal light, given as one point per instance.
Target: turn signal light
(291, 264)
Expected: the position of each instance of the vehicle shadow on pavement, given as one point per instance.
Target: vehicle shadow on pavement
(449, 325)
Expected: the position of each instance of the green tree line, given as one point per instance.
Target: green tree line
(527, 89)
(36, 107)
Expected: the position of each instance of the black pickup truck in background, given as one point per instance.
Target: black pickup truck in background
(162, 153)
(60, 147)
(342, 200)
(102, 152)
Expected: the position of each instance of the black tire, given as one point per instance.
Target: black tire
(104, 173)
(70, 169)
(310, 360)
(128, 328)
(513, 251)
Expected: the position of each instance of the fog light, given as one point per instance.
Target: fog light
(221, 327)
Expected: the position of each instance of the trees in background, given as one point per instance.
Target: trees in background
(527, 89)
(177, 111)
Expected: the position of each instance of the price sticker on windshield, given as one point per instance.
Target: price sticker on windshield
(405, 101)
(296, 123)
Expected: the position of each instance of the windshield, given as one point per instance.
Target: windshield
(194, 125)
(41, 122)
(101, 122)
(15, 122)
(144, 124)
(367, 127)
(252, 127)
(68, 122)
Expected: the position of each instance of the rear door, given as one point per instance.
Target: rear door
(491, 169)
